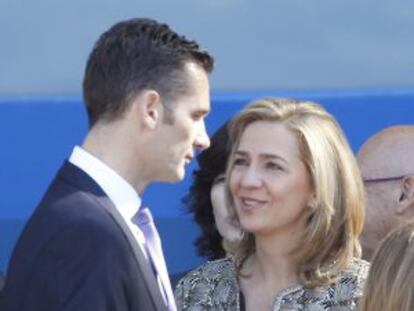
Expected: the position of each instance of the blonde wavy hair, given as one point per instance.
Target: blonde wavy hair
(330, 240)
(389, 285)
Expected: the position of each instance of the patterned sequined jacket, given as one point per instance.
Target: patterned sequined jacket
(214, 286)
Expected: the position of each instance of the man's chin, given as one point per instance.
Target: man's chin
(176, 176)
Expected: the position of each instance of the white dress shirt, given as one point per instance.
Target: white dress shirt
(120, 192)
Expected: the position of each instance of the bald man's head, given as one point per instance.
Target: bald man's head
(389, 152)
(386, 161)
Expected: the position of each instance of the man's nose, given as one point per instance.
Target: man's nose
(202, 140)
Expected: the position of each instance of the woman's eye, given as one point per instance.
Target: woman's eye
(239, 162)
(273, 166)
(219, 179)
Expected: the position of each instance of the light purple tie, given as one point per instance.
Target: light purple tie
(145, 222)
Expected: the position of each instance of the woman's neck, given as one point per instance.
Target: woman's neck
(278, 272)
(268, 271)
(272, 261)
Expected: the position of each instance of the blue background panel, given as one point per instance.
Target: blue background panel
(38, 134)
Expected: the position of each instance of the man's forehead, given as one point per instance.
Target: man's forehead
(389, 154)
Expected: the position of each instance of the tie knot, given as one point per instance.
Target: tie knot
(143, 217)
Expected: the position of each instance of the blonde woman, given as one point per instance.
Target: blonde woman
(297, 193)
(390, 282)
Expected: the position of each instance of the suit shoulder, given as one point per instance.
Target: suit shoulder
(70, 219)
(65, 203)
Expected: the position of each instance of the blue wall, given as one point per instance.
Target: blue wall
(36, 135)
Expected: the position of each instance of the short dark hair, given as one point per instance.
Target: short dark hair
(211, 162)
(132, 56)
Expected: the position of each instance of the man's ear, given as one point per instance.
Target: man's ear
(150, 108)
(406, 196)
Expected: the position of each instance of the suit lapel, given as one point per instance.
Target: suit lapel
(145, 268)
(81, 179)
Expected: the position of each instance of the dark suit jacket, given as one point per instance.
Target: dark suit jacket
(76, 253)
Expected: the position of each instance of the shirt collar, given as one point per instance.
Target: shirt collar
(119, 191)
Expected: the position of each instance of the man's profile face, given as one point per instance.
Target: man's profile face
(380, 200)
(379, 219)
(178, 138)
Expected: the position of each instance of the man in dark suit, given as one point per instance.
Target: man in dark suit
(147, 93)
(1, 281)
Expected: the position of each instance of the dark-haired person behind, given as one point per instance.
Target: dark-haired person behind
(89, 245)
(206, 199)
(207, 203)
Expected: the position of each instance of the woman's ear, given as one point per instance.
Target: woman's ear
(406, 196)
(313, 204)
